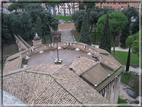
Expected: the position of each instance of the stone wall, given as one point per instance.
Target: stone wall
(20, 44)
(111, 90)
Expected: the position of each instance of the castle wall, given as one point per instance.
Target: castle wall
(111, 90)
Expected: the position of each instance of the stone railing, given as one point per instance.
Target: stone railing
(22, 45)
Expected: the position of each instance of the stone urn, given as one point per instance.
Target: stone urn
(37, 41)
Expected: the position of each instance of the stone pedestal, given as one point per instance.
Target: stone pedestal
(58, 61)
(37, 42)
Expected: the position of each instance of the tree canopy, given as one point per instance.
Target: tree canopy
(25, 23)
(130, 12)
(133, 41)
(117, 22)
(106, 37)
(95, 14)
(84, 34)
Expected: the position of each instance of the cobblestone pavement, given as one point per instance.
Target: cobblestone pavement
(67, 36)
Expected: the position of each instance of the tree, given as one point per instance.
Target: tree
(128, 61)
(25, 27)
(95, 14)
(133, 41)
(78, 19)
(69, 7)
(88, 11)
(117, 22)
(38, 27)
(106, 37)
(84, 34)
(135, 26)
(6, 31)
(16, 6)
(126, 31)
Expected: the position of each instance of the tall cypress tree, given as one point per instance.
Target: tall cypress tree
(106, 36)
(38, 27)
(126, 31)
(84, 34)
(128, 61)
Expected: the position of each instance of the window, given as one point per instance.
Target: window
(110, 6)
(104, 3)
(122, 3)
(100, 6)
(118, 7)
(125, 3)
(113, 3)
(114, 7)
(107, 3)
(104, 6)
(119, 3)
(125, 7)
(101, 2)
(121, 6)
(110, 3)
(107, 6)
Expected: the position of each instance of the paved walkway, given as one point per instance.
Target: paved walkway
(11, 100)
(67, 36)
(116, 48)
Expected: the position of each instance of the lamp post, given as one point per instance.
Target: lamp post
(57, 61)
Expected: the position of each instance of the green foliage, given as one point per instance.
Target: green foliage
(120, 101)
(38, 27)
(6, 28)
(34, 6)
(78, 19)
(131, 11)
(25, 26)
(24, 23)
(81, 6)
(117, 22)
(105, 37)
(95, 13)
(84, 34)
(133, 41)
(125, 33)
(54, 23)
(135, 26)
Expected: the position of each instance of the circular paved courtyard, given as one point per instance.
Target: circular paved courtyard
(48, 57)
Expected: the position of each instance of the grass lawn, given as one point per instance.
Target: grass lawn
(122, 101)
(122, 58)
(60, 17)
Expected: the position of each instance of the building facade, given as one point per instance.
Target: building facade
(119, 5)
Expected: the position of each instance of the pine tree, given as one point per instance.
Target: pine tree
(125, 32)
(38, 27)
(106, 36)
(84, 34)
